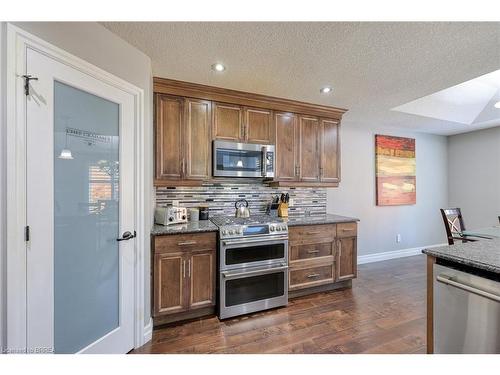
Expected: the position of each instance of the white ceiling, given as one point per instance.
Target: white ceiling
(373, 67)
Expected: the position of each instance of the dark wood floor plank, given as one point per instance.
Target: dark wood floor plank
(384, 312)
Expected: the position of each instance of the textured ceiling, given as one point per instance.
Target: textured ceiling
(372, 67)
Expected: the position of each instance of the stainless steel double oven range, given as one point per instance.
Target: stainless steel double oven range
(252, 264)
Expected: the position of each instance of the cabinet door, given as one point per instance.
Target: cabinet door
(170, 283)
(258, 126)
(201, 270)
(286, 146)
(347, 258)
(197, 150)
(309, 149)
(168, 133)
(330, 152)
(228, 122)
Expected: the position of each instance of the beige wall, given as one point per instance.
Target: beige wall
(474, 176)
(418, 224)
(95, 44)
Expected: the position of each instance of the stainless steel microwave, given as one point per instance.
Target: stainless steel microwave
(233, 159)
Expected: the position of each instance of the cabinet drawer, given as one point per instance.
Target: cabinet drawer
(312, 250)
(311, 233)
(311, 276)
(185, 242)
(347, 229)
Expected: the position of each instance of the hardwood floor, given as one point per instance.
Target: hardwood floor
(384, 312)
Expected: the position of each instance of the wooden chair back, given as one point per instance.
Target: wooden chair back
(453, 223)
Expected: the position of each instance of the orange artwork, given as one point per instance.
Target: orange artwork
(395, 170)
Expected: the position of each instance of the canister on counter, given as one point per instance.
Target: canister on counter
(194, 214)
(203, 212)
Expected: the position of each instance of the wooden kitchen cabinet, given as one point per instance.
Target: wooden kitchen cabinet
(309, 149)
(169, 284)
(197, 148)
(183, 276)
(287, 148)
(346, 251)
(321, 257)
(228, 122)
(182, 132)
(242, 124)
(168, 134)
(329, 151)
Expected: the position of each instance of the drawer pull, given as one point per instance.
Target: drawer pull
(313, 275)
(316, 232)
(312, 251)
(186, 243)
(346, 229)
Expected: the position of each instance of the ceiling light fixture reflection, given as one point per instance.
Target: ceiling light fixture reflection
(218, 67)
(66, 152)
(326, 90)
(497, 105)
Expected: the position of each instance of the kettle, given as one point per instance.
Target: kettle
(242, 209)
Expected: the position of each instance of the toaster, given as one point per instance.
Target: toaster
(170, 215)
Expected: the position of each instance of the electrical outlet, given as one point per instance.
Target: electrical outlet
(290, 202)
(398, 238)
(175, 203)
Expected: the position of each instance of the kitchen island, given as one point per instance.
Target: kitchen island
(463, 297)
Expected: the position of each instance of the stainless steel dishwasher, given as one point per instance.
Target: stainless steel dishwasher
(466, 312)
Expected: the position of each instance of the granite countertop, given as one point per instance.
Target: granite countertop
(208, 226)
(189, 227)
(318, 219)
(483, 254)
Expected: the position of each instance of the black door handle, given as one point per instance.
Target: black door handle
(127, 236)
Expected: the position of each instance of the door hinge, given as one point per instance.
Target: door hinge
(27, 233)
(27, 79)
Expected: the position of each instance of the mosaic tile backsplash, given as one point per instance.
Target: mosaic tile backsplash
(221, 198)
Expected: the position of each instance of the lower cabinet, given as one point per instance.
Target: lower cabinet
(320, 256)
(183, 276)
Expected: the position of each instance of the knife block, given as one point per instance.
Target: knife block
(283, 210)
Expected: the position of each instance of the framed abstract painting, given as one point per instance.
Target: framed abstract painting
(395, 170)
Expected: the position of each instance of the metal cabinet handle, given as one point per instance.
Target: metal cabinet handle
(469, 288)
(313, 275)
(189, 268)
(346, 229)
(183, 269)
(186, 243)
(340, 249)
(316, 232)
(312, 251)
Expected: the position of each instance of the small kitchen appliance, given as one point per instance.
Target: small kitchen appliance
(170, 215)
(252, 264)
(233, 159)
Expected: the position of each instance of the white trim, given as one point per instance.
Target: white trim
(17, 42)
(148, 331)
(378, 257)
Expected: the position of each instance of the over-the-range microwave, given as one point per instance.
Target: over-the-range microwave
(233, 159)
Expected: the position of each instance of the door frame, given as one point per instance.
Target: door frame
(18, 41)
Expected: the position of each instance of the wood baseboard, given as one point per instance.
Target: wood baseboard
(188, 315)
(322, 288)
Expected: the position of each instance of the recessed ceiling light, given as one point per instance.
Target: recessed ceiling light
(497, 105)
(218, 67)
(326, 90)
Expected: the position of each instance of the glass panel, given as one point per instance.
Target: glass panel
(254, 253)
(255, 288)
(238, 160)
(86, 176)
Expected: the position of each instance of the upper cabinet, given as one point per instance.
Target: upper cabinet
(287, 148)
(309, 149)
(241, 124)
(228, 122)
(183, 132)
(329, 170)
(188, 117)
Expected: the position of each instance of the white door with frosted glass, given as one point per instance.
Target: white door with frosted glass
(80, 202)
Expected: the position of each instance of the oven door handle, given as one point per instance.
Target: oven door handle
(229, 275)
(245, 241)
